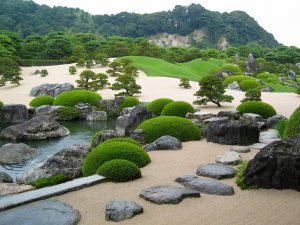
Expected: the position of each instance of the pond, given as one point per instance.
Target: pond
(81, 133)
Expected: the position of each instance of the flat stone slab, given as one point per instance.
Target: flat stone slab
(216, 171)
(12, 188)
(120, 210)
(11, 201)
(207, 186)
(167, 194)
(269, 136)
(241, 149)
(228, 158)
(258, 146)
(48, 212)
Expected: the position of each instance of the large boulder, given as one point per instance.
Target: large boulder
(84, 109)
(38, 128)
(103, 136)
(234, 86)
(199, 116)
(233, 132)
(276, 166)
(139, 135)
(46, 110)
(97, 116)
(292, 75)
(164, 143)
(233, 115)
(14, 153)
(272, 121)
(68, 161)
(14, 113)
(120, 210)
(50, 89)
(112, 107)
(250, 63)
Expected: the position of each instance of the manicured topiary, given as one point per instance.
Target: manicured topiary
(178, 108)
(178, 127)
(280, 127)
(234, 69)
(157, 105)
(50, 181)
(41, 100)
(293, 126)
(129, 101)
(127, 140)
(67, 113)
(256, 107)
(73, 97)
(1, 105)
(114, 150)
(237, 78)
(119, 170)
(246, 85)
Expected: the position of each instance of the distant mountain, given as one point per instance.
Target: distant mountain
(183, 26)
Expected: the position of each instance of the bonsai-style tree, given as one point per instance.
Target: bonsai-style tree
(92, 81)
(72, 70)
(252, 95)
(115, 69)
(102, 80)
(80, 63)
(125, 62)
(211, 90)
(128, 83)
(101, 59)
(44, 73)
(131, 70)
(89, 63)
(185, 83)
(9, 71)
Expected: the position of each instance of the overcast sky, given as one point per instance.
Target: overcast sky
(280, 17)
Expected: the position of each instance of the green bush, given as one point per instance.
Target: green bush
(256, 107)
(178, 127)
(73, 97)
(129, 101)
(178, 108)
(41, 100)
(237, 78)
(246, 85)
(252, 95)
(114, 150)
(119, 170)
(264, 76)
(157, 105)
(50, 181)
(239, 177)
(293, 126)
(127, 140)
(229, 67)
(1, 105)
(67, 113)
(280, 127)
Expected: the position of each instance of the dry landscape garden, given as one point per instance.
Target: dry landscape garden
(112, 119)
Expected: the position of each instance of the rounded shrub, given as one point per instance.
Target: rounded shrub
(246, 85)
(129, 101)
(1, 104)
(119, 170)
(67, 113)
(264, 76)
(178, 108)
(257, 107)
(41, 100)
(235, 69)
(237, 78)
(178, 127)
(157, 105)
(114, 150)
(292, 128)
(127, 140)
(73, 97)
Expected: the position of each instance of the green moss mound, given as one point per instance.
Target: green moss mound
(127, 140)
(260, 108)
(157, 105)
(73, 97)
(237, 78)
(129, 101)
(246, 85)
(292, 128)
(264, 76)
(1, 105)
(114, 150)
(229, 67)
(178, 108)
(41, 100)
(119, 170)
(178, 127)
(67, 113)
(50, 181)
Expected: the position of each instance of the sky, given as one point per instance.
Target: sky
(279, 17)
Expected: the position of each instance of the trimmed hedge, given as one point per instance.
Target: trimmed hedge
(50, 181)
(129, 101)
(157, 105)
(237, 78)
(178, 127)
(178, 108)
(119, 170)
(127, 140)
(114, 150)
(41, 100)
(1, 104)
(256, 107)
(67, 113)
(292, 128)
(246, 85)
(73, 97)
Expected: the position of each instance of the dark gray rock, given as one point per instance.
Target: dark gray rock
(5, 178)
(282, 79)
(14, 113)
(272, 121)
(112, 107)
(164, 143)
(292, 75)
(240, 149)
(36, 72)
(14, 153)
(50, 89)
(84, 109)
(229, 158)
(234, 86)
(216, 120)
(269, 136)
(97, 116)
(204, 132)
(126, 111)
(216, 171)
(48, 212)
(38, 128)
(167, 194)
(232, 115)
(47, 110)
(207, 186)
(250, 63)
(105, 135)
(267, 89)
(200, 116)
(120, 210)
(139, 135)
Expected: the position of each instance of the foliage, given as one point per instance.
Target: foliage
(41, 62)
(185, 83)
(119, 170)
(239, 177)
(123, 139)
(252, 95)
(178, 127)
(157, 105)
(50, 181)
(125, 61)
(89, 63)
(211, 90)
(67, 113)
(72, 70)
(128, 83)
(101, 59)
(280, 127)
(131, 70)
(9, 72)
(256, 107)
(41, 100)
(233, 69)
(237, 78)
(89, 80)
(298, 90)
(115, 69)
(80, 63)
(44, 73)
(177, 108)
(1, 104)
(129, 101)
(246, 85)
(293, 126)
(264, 76)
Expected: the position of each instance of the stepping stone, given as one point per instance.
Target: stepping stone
(258, 146)
(48, 212)
(167, 194)
(216, 171)
(228, 158)
(12, 188)
(121, 210)
(241, 149)
(207, 186)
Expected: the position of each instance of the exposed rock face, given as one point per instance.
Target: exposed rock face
(249, 118)
(139, 135)
(200, 116)
(48, 212)
(232, 115)
(233, 133)
(164, 143)
(47, 110)
(292, 75)
(38, 128)
(105, 135)
(14, 113)
(112, 107)
(216, 120)
(68, 162)
(267, 89)
(216, 171)
(272, 121)
(120, 210)
(228, 158)
(276, 166)
(50, 89)
(97, 116)
(11, 189)
(269, 136)
(84, 109)
(250, 63)
(14, 153)
(126, 111)
(5, 178)
(234, 86)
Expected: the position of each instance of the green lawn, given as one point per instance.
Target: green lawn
(193, 70)
(280, 87)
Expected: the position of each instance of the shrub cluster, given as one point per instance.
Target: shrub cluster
(237, 78)
(157, 105)
(256, 107)
(50, 181)
(280, 127)
(129, 101)
(67, 113)
(41, 100)
(264, 76)
(292, 128)
(229, 67)
(178, 108)
(73, 97)
(122, 139)
(246, 85)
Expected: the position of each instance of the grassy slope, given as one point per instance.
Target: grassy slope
(281, 88)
